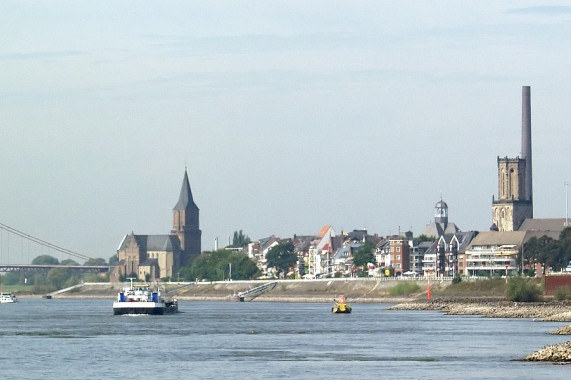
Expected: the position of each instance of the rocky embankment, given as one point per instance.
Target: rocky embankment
(565, 330)
(540, 311)
(558, 353)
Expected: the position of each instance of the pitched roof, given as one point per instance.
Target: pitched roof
(438, 229)
(464, 239)
(549, 224)
(167, 243)
(323, 231)
(486, 238)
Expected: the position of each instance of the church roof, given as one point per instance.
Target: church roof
(185, 200)
(552, 224)
(165, 243)
(441, 204)
(438, 229)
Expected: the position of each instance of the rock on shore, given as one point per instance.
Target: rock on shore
(552, 311)
(565, 330)
(558, 353)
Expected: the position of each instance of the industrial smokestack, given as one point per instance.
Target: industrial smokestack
(526, 141)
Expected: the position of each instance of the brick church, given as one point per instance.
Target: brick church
(151, 257)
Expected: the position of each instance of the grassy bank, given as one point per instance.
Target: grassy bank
(356, 289)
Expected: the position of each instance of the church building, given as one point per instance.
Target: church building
(440, 226)
(151, 257)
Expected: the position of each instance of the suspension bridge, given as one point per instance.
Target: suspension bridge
(8, 231)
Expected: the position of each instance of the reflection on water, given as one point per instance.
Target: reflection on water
(74, 339)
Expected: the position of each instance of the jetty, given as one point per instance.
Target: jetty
(250, 294)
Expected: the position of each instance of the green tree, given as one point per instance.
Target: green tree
(216, 266)
(240, 240)
(522, 290)
(565, 246)
(364, 255)
(243, 268)
(12, 278)
(95, 262)
(281, 256)
(113, 260)
(423, 237)
(57, 277)
(69, 262)
(45, 260)
(544, 250)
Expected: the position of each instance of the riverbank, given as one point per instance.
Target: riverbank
(357, 290)
(540, 311)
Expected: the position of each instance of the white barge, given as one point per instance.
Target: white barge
(143, 300)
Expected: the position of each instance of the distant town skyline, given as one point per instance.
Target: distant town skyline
(290, 115)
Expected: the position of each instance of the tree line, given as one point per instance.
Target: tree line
(547, 251)
(55, 278)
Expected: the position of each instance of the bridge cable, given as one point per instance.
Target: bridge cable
(43, 242)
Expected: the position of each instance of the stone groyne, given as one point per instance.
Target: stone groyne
(540, 311)
(557, 353)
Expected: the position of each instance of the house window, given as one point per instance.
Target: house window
(398, 249)
(397, 257)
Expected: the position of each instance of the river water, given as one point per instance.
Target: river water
(81, 339)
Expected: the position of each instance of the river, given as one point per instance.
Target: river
(81, 339)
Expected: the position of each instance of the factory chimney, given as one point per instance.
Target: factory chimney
(526, 142)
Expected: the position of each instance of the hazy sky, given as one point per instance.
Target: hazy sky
(290, 115)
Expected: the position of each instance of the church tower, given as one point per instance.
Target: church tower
(186, 223)
(441, 214)
(515, 203)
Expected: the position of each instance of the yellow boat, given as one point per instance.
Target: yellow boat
(341, 305)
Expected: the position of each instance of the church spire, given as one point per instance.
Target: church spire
(185, 198)
(186, 223)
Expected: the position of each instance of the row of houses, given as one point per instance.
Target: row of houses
(487, 253)
(441, 250)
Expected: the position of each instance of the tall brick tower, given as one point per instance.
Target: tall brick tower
(186, 223)
(515, 202)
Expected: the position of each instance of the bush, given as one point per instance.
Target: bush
(457, 279)
(562, 293)
(522, 290)
(404, 289)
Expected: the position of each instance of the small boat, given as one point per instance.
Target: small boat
(341, 305)
(8, 298)
(143, 300)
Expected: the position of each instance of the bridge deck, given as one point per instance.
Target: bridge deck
(40, 268)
